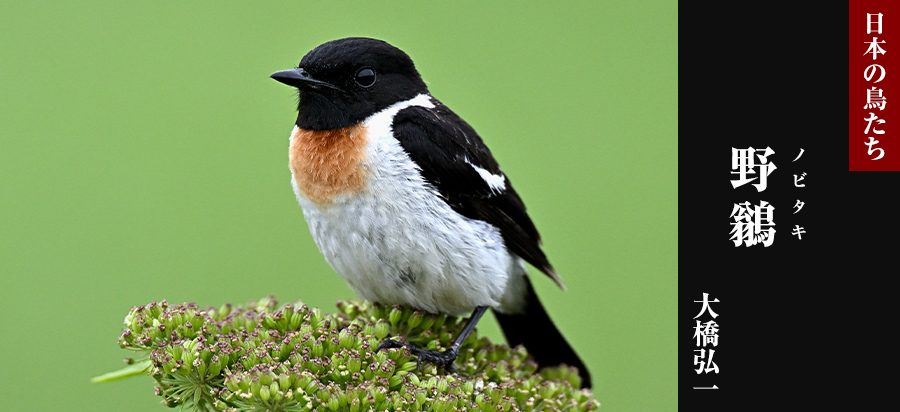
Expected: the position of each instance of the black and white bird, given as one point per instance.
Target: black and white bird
(407, 204)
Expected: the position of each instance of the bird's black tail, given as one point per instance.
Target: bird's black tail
(539, 335)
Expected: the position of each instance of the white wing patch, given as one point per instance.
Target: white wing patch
(497, 183)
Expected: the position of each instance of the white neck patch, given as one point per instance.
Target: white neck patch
(383, 119)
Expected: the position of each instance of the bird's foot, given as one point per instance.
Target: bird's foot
(444, 358)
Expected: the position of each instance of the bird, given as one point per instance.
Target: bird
(407, 204)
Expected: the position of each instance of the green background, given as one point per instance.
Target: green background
(143, 156)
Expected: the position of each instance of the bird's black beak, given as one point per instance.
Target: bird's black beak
(300, 79)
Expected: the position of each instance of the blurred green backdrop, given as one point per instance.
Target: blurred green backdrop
(143, 155)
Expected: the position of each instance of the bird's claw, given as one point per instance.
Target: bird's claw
(389, 344)
(445, 358)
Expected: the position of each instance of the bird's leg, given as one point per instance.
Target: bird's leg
(446, 357)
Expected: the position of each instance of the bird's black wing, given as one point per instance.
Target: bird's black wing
(448, 151)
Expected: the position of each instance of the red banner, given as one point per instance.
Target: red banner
(874, 43)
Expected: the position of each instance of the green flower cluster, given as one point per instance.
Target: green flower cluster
(263, 357)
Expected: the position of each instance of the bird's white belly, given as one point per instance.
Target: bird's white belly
(396, 242)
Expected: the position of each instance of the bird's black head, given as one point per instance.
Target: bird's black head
(344, 81)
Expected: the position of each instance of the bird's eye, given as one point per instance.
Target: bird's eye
(365, 77)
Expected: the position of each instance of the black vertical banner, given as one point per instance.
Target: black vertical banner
(767, 83)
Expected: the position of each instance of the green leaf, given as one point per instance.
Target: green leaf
(139, 368)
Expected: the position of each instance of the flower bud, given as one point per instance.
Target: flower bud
(133, 313)
(137, 323)
(333, 403)
(408, 366)
(285, 381)
(311, 386)
(480, 355)
(386, 369)
(378, 357)
(300, 308)
(267, 378)
(232, 384)
(349, 308)
(428, 321)
(322, 393)
(273, 389)
(382, 329)
(521, 396)
(444, 337)
(315, 318)
(379, 311)
(494, 393)
(415, 319)
(468, 386)
(395, 381)
(548, 390)
(256, 387)
(400, 403)
(421, 395)
(482, 402)
(378, 393)
(368, 372)
(354, 363)
(506, 402)
(333, 344)
(442, 385)
(188, 357)
(224, 311)
(268, 321)
(295, 321)
(200, 365)
(317, 349)
(395, 315)
(440, 403)
(347, 339)
(245, 383)
(440, 321)
(430, 383)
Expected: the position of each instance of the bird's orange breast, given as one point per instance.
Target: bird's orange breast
(327, 163)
